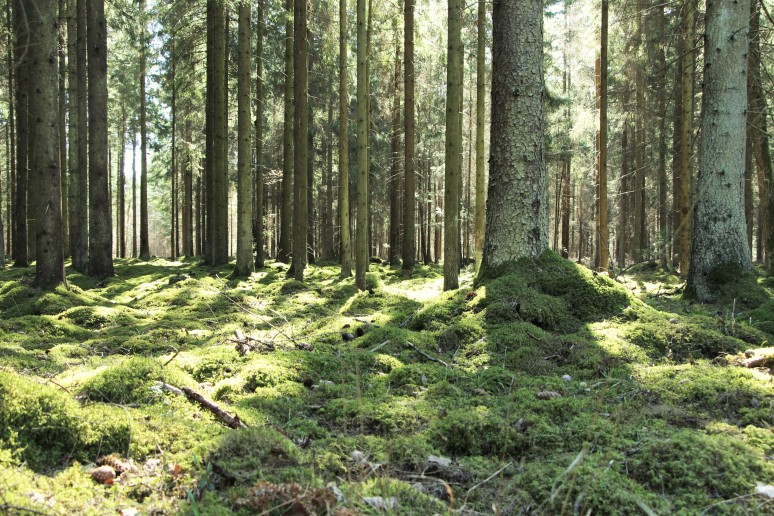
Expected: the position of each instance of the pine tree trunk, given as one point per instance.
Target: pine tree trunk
(100, 226)
(21, 247)
(409, 187)
(134, 194)
(451, 251)
(245, 263)
(44, 131)
(480, 128)
(344, 223)
(10, 133)
(62, 104)
(144, 237)
(395, 157)
(639, 147)
(719, 237)
(286, 204)
(122, 189)
(602, 231)
(173, 151)
(218, 210)
(516, 219)
(258, 204)
(663, 238)
(361, 239)
(300, 138)
(188, 247)
(686, 121)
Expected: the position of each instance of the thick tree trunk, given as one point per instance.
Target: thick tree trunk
(517, 218)
(344, 225)
(686, 121)
(100, 227)
(62, 104)
(361, 239)
(286, 214)
(663, 237)
(21, 247)
(218, 220)
(245, 263)
(44, 131)
(11, 132)
(638, 249)
(719, 237)
(300, 138)
(409, 188)
(451, 251)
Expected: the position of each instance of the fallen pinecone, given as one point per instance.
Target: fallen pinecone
(116, 463)
(104, 474)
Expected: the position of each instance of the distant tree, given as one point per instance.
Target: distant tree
(79, 219)
(44, 131)
(143, 57)
(454, 71)
(21, 43)
(685, 136)
(720, 235)
(602, 231)
(480, 130)
(286, 189)
(258, 193)
(245, 263)
(395, 214)
(516, 218)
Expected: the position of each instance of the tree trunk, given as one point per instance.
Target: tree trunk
(480, 128)
(11, 132)
(639, 147)
(21, 246)
(258, 205)
(719, 237)
(451, 251)
(686, 120)
(283, 253)
(361, 243)
(602, 231)
(144, 237)
(44, 131)
(218, 211)
(245, 263)
(395, 158)
(173, 151)
(344, 225)
(664, 236)
(409, 187)
(100, 226)
(134, 194)
(122, 188)
(517, 218)
(300, 138)
(62, 144)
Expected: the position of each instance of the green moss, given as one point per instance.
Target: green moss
(132, 381)
(253, 453)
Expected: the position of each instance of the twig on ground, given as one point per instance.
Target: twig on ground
(487, 479)
(177, 352)
(434, 359)
(379, 346)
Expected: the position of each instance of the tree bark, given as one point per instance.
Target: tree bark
(283, 253)
(453, 154)
(602, 231)
(218, 211)
(517, 218)
(409, 186)
(44, 131)
(62, 104)
(719, 237)
(258, 205)
(686, 120)
(245, 263)
(395, 214)
(361, 243)
(664, 236)
(480, 128)
(21, 246)
(144, 237)
(100, 227)
(344, 223)
(300, 140)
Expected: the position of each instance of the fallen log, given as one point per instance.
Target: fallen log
(207, 404)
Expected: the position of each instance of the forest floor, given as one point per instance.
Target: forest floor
(550, 390)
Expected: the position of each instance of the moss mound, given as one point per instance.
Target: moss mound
(133, 381)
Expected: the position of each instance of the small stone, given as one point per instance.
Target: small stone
(673, 320)
(567, 378)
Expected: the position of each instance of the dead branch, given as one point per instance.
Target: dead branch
(434, 359)
(207, 404)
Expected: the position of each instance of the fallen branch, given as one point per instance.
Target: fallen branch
(434, 359)
(759, 361)
(379, 346)
(487, 479)
(207, 404)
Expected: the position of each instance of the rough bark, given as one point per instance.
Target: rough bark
(62, 106)
(395, 215)
(300, 138)
(245, 263)
(344, 225)
(361, 238)
(44, 131)
(144, 237)
(258, 193)
(719, 236)
(100, 227)
(686, 121)
(663, 238)
(21, 246)
(602, 230)
(453, 154)
(517, 218)
(283, 253)
(409, 186)
(219, 209)
(480, 128)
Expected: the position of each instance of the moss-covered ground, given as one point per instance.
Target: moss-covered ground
(549, 390)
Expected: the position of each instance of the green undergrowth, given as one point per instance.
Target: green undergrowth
(544, 389)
